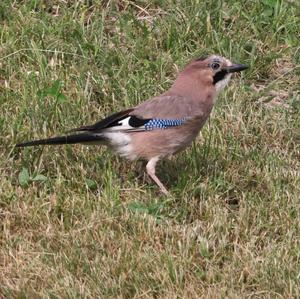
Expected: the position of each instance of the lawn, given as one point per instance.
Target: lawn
(79, 222)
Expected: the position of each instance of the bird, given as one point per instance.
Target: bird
(163, 125)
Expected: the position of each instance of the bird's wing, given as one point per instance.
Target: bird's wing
(157, 113)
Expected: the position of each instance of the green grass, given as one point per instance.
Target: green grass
(79, 222)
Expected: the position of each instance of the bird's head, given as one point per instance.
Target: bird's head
(213, 70)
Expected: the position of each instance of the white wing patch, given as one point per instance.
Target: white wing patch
(123, 125)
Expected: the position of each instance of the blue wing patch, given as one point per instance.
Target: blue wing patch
(163, 123)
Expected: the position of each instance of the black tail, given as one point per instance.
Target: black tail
(71, 139)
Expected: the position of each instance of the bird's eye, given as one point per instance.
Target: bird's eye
(215, 65)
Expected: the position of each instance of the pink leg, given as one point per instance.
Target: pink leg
(151, 172)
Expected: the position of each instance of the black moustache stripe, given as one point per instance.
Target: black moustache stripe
(219, 76)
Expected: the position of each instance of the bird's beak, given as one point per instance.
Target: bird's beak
(235, 68)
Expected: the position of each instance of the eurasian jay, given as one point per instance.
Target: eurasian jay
(163, 125)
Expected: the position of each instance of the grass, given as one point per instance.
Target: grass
(78, 222)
